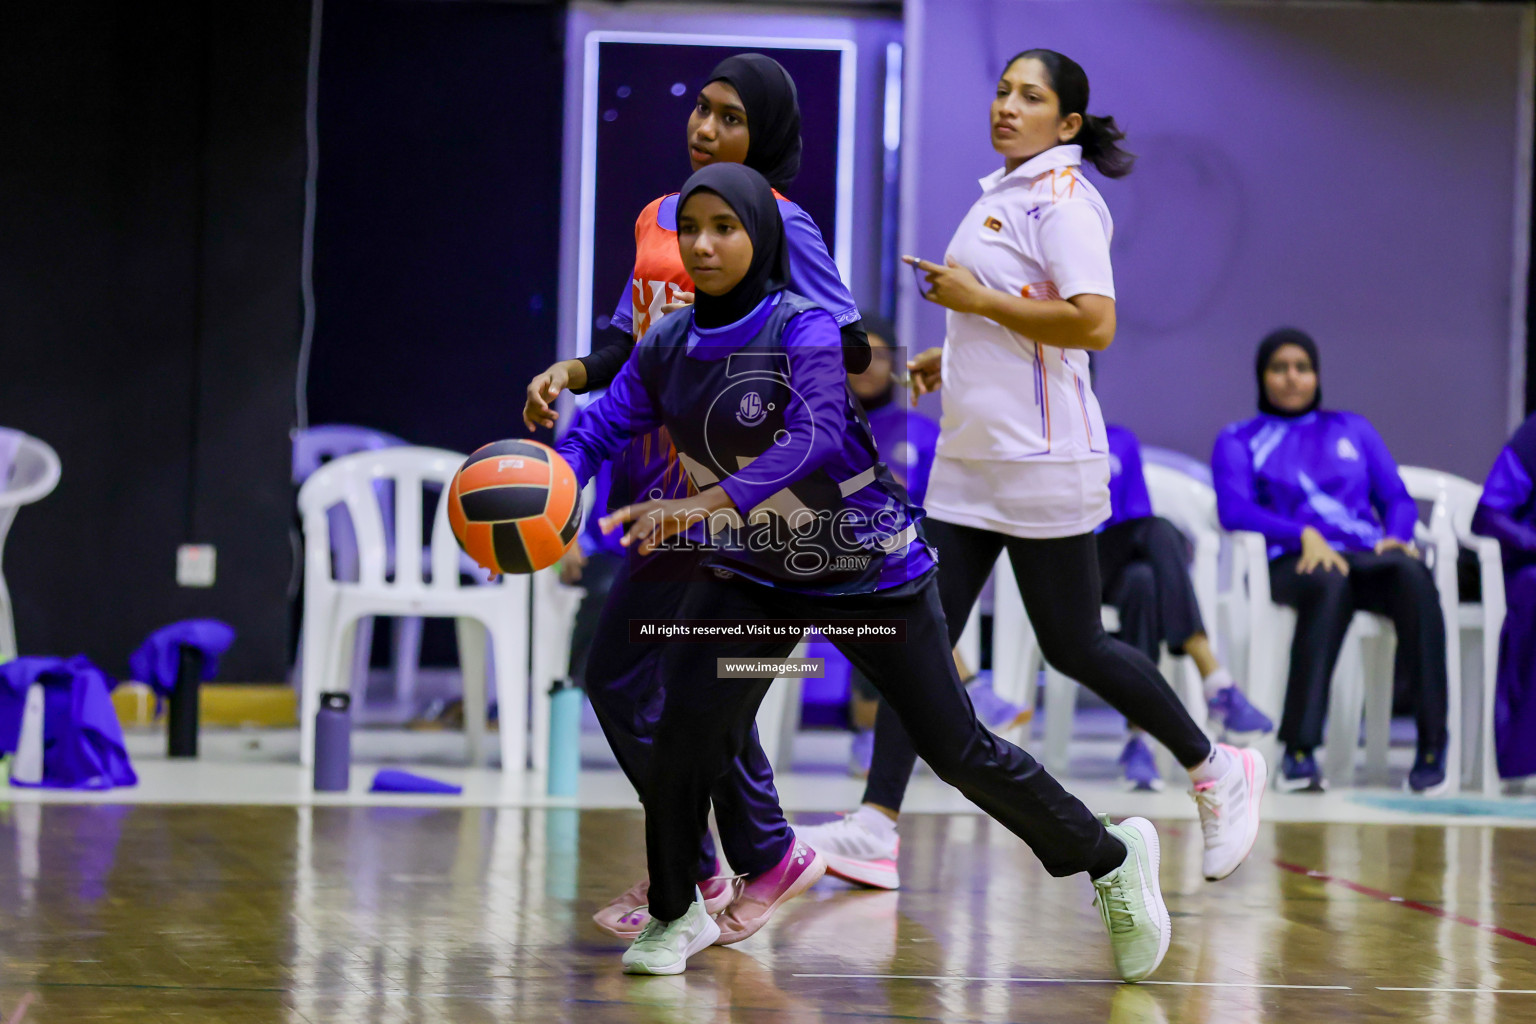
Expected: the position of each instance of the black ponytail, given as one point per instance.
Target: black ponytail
(1100, 137)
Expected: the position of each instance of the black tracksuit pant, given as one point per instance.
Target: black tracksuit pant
(1144, 564)
(1394, 584)
(707, 720)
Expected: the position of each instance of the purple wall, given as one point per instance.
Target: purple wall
(1350, 170)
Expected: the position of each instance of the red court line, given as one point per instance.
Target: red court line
(1426, 908)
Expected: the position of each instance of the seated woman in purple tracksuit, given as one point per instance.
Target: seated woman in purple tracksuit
(1144, 567)
(1507, 513)
(803, 521)
(1324, 491)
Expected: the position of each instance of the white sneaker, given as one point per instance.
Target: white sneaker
(664, 947)
(853, 852)
(1229, 812)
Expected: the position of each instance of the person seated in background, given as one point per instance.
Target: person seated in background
(1144, 568)
(1507, 513)
(906, 441)
(1324, 491)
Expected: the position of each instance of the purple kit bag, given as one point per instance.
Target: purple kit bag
(82, 739)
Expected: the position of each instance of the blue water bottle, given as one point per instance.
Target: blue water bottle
(333, 743)
(565, 700)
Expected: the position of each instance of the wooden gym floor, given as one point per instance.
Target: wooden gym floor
(378, 914)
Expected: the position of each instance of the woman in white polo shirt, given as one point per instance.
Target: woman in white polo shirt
(1022, 461)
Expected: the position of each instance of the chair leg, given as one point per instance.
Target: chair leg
(539, 682)
(7, 625)
(1471, 710)
(790, 724)
(1013, 646)
(472, 668)
(309, 704)
(340, 674)
(1490, 676)
(407, 644)
(1060, 710)
(1455, 719)
(1377, 682)
(510, 656)
(770, 722)
(361, 662)
(1268, 661)
(315, 639)
(969, 644)
(1343, 736)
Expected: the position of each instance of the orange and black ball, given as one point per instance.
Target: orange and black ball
(514, 506)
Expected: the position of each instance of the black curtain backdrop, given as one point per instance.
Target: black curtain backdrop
(151, 202)
(437, 231)
(438, 217)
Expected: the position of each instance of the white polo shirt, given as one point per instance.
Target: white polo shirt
(1022, 448)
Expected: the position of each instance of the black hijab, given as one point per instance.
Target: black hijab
(748, 193)
(773, 114)
(1267, 349)
(874, 324)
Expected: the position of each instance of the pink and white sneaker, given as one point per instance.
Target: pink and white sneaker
(801, 868)
(1229, 812)
(627, 916)
(856, 852)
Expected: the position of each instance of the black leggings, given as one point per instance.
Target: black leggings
(707, 722)
(1393, 584)
(1059, 582)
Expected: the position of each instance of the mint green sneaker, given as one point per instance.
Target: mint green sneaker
(664, 947)
(1131, 902)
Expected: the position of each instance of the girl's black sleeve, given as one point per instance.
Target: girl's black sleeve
(856, 355)
(604, 363)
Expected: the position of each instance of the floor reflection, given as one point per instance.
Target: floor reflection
(380, 914)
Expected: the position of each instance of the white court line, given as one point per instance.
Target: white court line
(1477, 991)
(1096, 981)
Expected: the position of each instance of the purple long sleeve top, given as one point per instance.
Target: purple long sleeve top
(1327, 470)
(762, 408)
(1507, 510)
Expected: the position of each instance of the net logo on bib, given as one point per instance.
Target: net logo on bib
(751, 411)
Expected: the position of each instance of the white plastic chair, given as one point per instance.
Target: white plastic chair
(1477, 625)
(332, 608)
(29, 471)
